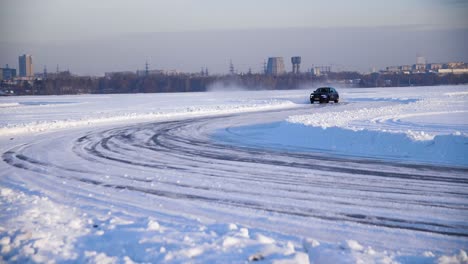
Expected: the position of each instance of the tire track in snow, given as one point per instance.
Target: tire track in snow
(306, 185)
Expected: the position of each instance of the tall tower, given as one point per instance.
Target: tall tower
(296, 64)
(275, 66)
(146, 68)
(25, 66)
(231, 68)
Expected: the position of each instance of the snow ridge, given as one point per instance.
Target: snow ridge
(239, 107)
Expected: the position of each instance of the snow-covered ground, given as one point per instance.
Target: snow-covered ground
(427, 125)
(236, 177)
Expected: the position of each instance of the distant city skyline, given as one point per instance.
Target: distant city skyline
(93, 37)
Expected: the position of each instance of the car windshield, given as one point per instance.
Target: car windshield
(322, 90)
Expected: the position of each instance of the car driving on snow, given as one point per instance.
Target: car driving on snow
(324, 95)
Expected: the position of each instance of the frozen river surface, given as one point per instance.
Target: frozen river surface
(236, 177)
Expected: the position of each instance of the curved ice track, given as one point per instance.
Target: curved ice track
(177, 162)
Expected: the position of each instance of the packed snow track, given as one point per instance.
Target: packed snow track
(179, 161)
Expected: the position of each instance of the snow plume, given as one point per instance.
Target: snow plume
(229, 86)
(315, 85)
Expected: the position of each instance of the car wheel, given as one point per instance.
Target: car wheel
(312, 101)
(336, 101)
(327, 101)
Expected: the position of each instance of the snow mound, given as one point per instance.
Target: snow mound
(52, 233)
(460, 258)
(42, 229)
(354, 245)
(264, 239)
(101, 258)
(349, 252)
(442, 149)
(153, 225)
(421, 119)
(8, 104)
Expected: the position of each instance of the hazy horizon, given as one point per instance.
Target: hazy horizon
(91, 38)
(356, 49)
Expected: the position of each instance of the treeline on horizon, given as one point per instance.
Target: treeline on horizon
(61, 84)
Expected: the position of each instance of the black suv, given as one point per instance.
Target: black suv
(324, 95)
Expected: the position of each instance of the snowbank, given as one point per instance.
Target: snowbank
(45, 231)
(40, 231)
(430, 127)
(8, 104)
(141, 116)
(428, 117)
(442, 149)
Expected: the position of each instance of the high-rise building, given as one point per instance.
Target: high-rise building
(275, 66)
(25, 66)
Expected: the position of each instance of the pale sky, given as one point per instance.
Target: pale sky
(44, 20)
(40, 24)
